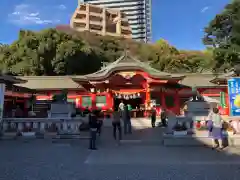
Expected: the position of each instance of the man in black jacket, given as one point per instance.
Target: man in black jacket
(93, 124)
(153, 116)
(164, 118)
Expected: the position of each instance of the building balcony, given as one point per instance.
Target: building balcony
(126, 28)
(95, 23)
(95, 14)
(81, 11)
(80, 21)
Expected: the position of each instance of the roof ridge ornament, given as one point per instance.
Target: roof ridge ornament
(126, 52)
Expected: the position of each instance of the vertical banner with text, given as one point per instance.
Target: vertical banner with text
(2, 93)
(234, 96)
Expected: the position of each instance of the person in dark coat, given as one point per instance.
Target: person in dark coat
(127, 121)
(93, 125)
(163, 118)
(153, 116)
(116, 123)
(100, 122)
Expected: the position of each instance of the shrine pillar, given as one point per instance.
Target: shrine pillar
(177, 102)
(148, 98)
(94, 106)
(163, 101)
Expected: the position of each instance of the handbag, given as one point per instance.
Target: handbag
(210, 126)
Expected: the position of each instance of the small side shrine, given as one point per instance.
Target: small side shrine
(12, 95)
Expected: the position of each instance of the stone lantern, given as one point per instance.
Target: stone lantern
(237, 70)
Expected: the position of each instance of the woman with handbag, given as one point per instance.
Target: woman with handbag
(215, 124)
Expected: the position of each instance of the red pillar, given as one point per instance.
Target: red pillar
(163, 103)
(147, 100)
(110, 103)
(94, 101)
(177, 102)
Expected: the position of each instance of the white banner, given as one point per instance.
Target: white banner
(2, 93)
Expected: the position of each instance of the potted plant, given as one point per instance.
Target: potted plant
(27, 130)
(230, 131)
(180, 129)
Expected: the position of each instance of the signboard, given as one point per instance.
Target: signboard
(234, 96)
(2, 93)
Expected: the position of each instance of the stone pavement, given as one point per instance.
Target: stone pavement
(132, 160)
(43, 160)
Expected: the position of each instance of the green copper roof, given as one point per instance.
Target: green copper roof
(127, 62)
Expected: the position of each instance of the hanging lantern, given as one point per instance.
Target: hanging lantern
(130, 96)
(134, 96)
(92, 90)
(138, 94)
(127, 97)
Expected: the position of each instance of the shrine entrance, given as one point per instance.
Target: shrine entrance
(135, 100)
(136, 103)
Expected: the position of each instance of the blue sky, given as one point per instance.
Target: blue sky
(180, 22)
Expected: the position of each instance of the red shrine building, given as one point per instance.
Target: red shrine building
(131, 81)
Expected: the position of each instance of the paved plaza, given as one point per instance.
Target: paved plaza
(133, 160)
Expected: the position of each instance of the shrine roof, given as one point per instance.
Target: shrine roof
(67, 82)
(223, 77)
(11, 79)
(198, 80)
(49, 82)
(127, 62)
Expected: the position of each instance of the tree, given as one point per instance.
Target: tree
(67, 52)
(223, 34)
(49, 52)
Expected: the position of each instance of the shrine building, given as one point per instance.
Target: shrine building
(133, 82)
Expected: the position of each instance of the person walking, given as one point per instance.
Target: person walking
(116, 123)
(99, 122)
(163, 117)
(215, 124)
(153, 116)
(121, 108)
(93, 124)
(127, 121)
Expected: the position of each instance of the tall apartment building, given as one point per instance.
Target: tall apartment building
(139, 14)
(100, 20)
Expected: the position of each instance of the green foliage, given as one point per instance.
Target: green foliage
(57, 52)
(223, 34)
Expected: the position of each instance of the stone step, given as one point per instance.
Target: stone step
(136, 122)
(70, 136)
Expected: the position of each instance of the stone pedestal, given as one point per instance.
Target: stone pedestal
(196, 110)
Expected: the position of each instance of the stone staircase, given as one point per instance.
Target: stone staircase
(137, 123)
